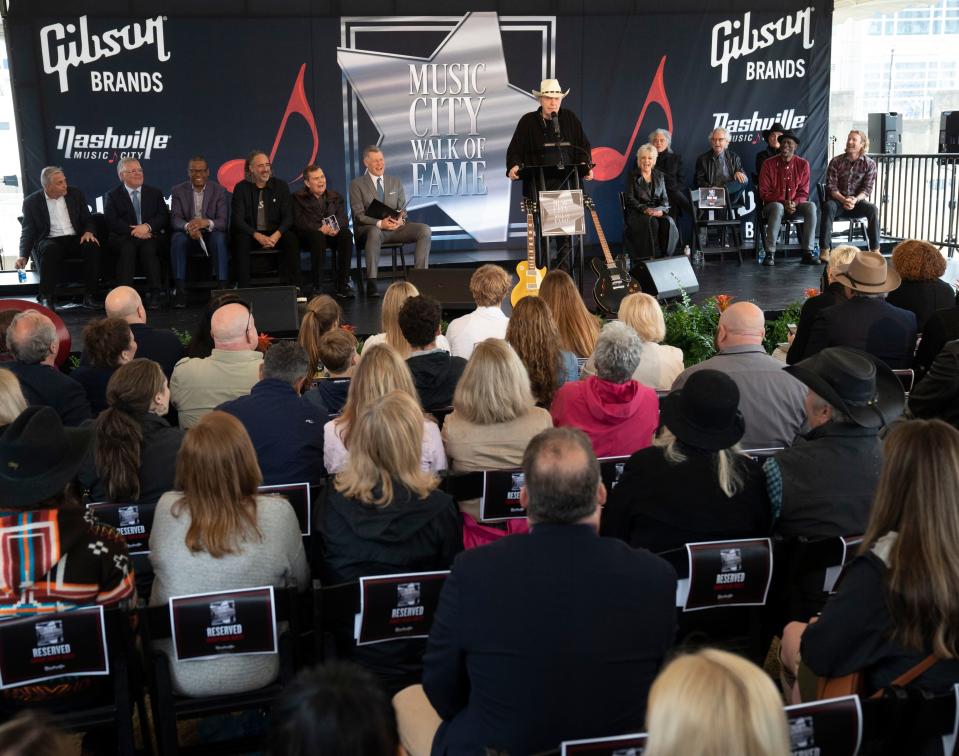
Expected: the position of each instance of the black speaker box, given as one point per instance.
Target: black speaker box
(885, 133)
(665, 278)
(274, 307)
(448, 286)
(949, 131)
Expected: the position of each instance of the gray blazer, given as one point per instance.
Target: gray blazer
(363, 192)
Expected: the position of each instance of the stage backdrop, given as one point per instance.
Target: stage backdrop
(440, 94)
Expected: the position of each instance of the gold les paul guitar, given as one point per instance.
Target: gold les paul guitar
(530, 277)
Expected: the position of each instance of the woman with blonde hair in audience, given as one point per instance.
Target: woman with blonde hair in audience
(107, 343)
(323, 314)
(578, 328)
(385, 515)
(380, 371)
(659, 364)
(12, 401)
(397, 293)
(216, 533)
(532, 334)
(712, 703)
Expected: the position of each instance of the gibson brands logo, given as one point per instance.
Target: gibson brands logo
(66, 46)
(732, 40)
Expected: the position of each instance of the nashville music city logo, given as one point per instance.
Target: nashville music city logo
(110, 145)
(750, 129)
(732, 40)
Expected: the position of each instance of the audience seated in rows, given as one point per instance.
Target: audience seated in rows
(694, 483)
(200, 384)
(936, 395)
(940, 329)
(865, 320)
(109, 343)
(896, 602)
(533, 335)
(659, 364)
(32, 340)
(337, 353)
(323, 314)
(384, 515)
(578, 328)
(12, 401)
(435, 371)
(922, 291)
(546, 637)
(771, 400)
(618, 414)
(390, 333)
(823, 484)
(215, 533)
(286, 430)
(157, 344)
(380, 371)
(133, 455)
(489, 284)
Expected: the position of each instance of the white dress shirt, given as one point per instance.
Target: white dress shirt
(467, 331)
(60, 224)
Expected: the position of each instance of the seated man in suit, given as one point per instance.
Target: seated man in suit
(32, 340)
(544, 637)
(373, 232)
(435, 372)
(137, 216)
(866, 321)
(158, 344)
(200, 217)
(262, 218)
(57, 223)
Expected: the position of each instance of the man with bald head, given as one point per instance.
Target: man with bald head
(201, 383)
(160, 345)
(32, 340)
(771, 400)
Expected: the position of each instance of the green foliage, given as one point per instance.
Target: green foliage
(776, 331)
(74, 361)
(692, 328)
(185, 337)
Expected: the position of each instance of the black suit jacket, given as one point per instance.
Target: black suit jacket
(834, 295)
(47, 386)
(120, 214)
(276, 198)
(872, 325)
(943, 326)
(36, 218)
(545, 637)
(937, 394)
(924, 298)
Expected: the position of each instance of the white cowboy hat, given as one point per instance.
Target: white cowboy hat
(550, 88)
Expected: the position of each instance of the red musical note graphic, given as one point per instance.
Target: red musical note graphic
(231, 172)
(609, 161)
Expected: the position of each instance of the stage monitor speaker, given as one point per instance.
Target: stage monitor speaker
(885, 133)
(448, 286)
(666, 278)
(274, 307)
(949, 131)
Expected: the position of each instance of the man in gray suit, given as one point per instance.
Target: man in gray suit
(373, 233)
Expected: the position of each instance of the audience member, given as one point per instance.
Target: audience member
(896, 604)
(200, 384)
(823, 484)
(323, 314)
(157, 344)
(319, 218)
(6, 318)
(397, 293)
(771, 401)
(936, 395)
(489, 284)
(435, 372)
(380, 371)
(533, 335)
(30, 733)
(784, 190)
(337, 709)
(714, 702)
(32, 340)
(694, 483)
(201, 340)
(850, 179)
(337, 353)
(659, 364)
(286, 430)
(865, 320)
(133, 455)
(486, 683)
(385, 516)
(107, 343)
(12, 401)
(922, 291)
(214, 533)
(618, 414)
(941, 328)
(578, 328)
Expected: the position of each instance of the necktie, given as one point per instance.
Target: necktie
(379, 188)
(136, 205)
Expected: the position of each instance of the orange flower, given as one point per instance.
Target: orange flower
(263, 342)
(348, 327)
(723, 300)
(812, 292)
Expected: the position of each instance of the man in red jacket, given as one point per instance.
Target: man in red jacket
(784, 190)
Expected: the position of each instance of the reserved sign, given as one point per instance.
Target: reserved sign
(826, 728)
(397, 607)
(132, 521)
(500, 498)
(728, 573)
(621, 745)
(234, 623)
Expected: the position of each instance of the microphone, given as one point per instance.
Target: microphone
(555, 121)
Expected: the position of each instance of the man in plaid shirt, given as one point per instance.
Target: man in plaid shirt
(850, 179)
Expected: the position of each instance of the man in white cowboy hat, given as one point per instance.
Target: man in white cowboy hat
(866, 321)
(538, 128)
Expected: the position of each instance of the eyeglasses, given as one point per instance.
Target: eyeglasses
(134, 171)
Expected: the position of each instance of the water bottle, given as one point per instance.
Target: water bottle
(22, 275)
(686, 250)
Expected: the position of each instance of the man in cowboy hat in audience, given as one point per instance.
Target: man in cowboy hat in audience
(865, 320)
(824, 483)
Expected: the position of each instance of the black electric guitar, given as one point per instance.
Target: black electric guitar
(613, 283)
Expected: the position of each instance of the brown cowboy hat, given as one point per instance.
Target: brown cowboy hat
(869, 273)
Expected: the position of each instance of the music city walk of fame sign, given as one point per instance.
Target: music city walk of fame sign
(450, 118)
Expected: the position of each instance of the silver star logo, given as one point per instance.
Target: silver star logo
(446, 121)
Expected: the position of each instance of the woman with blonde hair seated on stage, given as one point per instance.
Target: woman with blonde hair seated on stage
(659, 364)
(714, 702)
(380, 371)
(323, 314)
(532, 334)
(578, 328)
(397, 293)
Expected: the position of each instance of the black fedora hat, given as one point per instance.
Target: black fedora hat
(775, 127)
(38, 456)
(705, 412)
(789, 135)
(857, 384)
